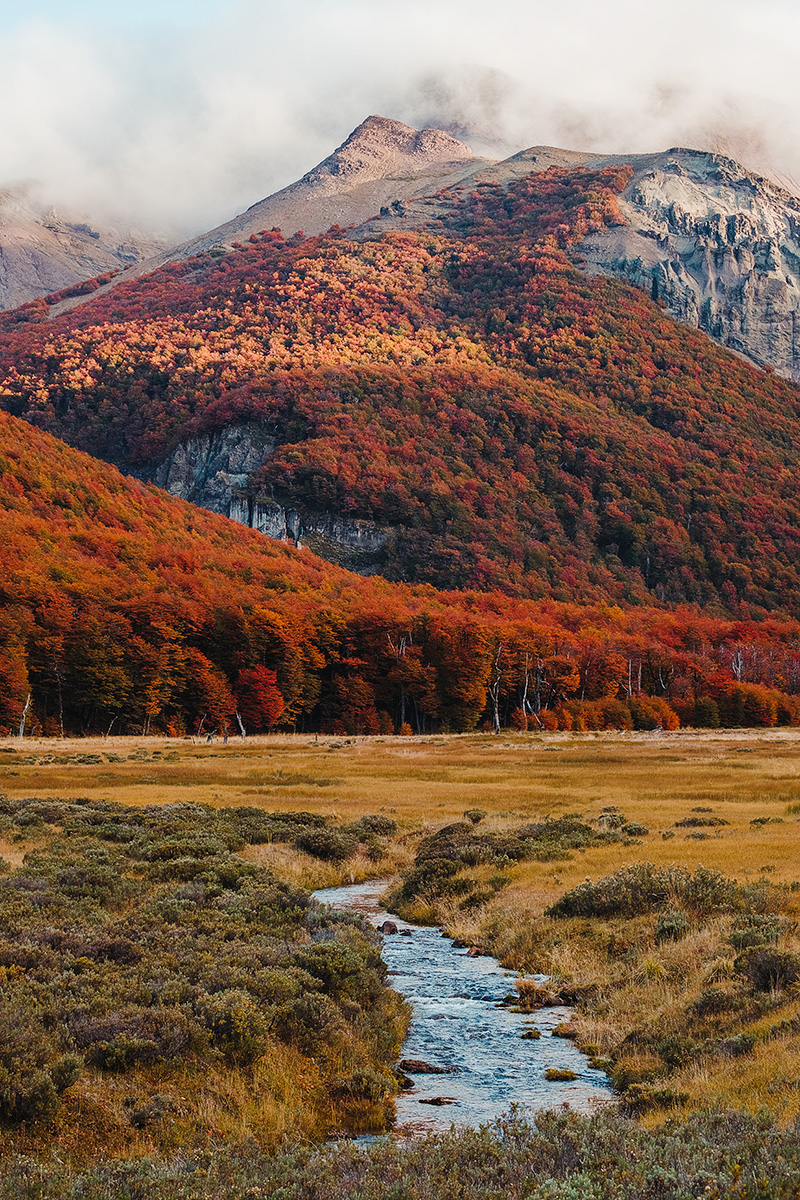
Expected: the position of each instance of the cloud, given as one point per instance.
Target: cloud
(179, 126)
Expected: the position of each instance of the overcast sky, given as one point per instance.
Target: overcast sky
(183, 112)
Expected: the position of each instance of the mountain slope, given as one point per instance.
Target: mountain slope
(122, 606)
(457, 405)
(382, 163)
(42, 251)
(717, 245)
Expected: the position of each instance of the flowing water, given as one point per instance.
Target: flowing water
(457, 1024)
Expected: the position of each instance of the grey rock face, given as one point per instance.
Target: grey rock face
(215, 470)
(718, 246)
(210, 468)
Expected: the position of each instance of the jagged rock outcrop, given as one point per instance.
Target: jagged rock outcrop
(718, 246)
(217, 471)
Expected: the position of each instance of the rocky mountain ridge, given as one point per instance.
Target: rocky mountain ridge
(44, 251)
(717, 245)
(383, 163)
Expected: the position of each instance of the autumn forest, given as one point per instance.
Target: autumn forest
(592, 513)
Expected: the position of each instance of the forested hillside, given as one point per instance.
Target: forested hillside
(508, 422)
(123, 608)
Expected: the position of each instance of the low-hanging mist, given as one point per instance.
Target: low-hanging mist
(179, 123)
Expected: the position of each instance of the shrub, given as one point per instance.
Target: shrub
(311, 1022)
(635, 889)
(378, 824)
(237, 1027)
(753, 929)
(768, 969)
(33, 1070)
(364, 1085)
(676, 1050)
(328, 844)
(441, 855)
(115, 947)
(671, 927)
(714, 1001)
(344, 971)
(735, 1047)
(475, 815)
(643, 887)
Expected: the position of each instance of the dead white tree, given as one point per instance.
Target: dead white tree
(494, 687)
(24, 717)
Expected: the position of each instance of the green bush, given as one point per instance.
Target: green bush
(475, 815)
(330, 845)
(643, 888)
(700, 822)
(311, 1022)
(378, 824)
(442, 856)
(236, 1024)
(133, 937)
(755, 929)
(671, 927)
(676, 1050)
(560, 1156)
(34, 1069)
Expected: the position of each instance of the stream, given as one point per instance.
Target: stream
(457, 1024)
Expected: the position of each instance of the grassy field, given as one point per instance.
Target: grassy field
(655, 779)
(635, 988)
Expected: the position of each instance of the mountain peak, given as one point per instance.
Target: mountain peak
(380, 147)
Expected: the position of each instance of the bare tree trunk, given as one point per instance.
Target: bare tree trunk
(108, 731)
(494, 689)
(60, 702)
(242, 729)
(24, 716)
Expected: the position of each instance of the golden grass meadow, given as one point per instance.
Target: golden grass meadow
(647, 1007)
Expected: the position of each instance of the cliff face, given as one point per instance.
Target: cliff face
(216, 470)
(718, 246)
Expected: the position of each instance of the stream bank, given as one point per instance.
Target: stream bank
(460, 1025)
